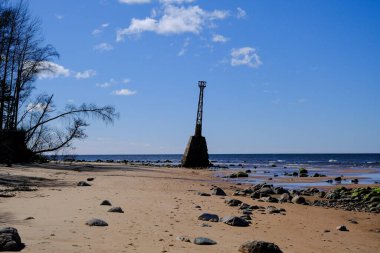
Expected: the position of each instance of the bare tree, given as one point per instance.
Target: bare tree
(22, 57)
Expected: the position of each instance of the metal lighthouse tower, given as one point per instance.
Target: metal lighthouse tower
(196, 154)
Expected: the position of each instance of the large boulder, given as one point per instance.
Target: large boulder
(259, 247)
(10, 240)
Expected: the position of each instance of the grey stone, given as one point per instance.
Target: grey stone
(285, 197)
(298, 200)
(218, 191)
(10, 240)
(235, 221)
(116, 210)
(259, 247)
(96, 222)
(209, 217)
(204, 194)
(266, 190)
(183, 238)
(233, 202)
(83, 183)
(341, 228)
(204, 241)
(269, 199)
(272, 210)
(105, 203)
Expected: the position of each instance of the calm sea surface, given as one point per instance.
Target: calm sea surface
(273, 168)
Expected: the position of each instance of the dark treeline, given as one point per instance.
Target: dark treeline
(24, 118)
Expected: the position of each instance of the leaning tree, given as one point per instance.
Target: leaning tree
(28, 125)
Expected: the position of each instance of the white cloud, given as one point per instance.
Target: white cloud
(184, 47)
(174, 20)
(113, 82)
(103, 47)
(49, 70)
(241, 14)
(39, 107)
(100, 29)
(245, 56)
(219, 38)
(126, 80)
(124, 92)
(85, 74)
(134, 1)
(107, 84)
(59, 17)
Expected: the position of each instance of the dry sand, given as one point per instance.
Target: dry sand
(159, 205)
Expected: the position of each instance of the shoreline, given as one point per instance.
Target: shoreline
(160, 205)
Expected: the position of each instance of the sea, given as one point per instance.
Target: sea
(273, 168)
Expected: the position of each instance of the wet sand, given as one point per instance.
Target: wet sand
(159, 205)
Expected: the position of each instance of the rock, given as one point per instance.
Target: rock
(198, 206)
(96, 222)
(280, 190)
(235, 221)
(204, 241)
(29, 218)
(209, 217)
(90, 179)
(116, 210)
(183, 239)
(285, 197)
(246, 217)
(218, 191)
(338, 179)
(244, 206)
(355, 181)
(242, 174)
(10, 240)
(298, 200)
(83, 183)
(341, 228)
(272, 210)
(269, 199)
(105, 203)
(259, 247)
(204, 194)
(303, 171)
(352, 221)
(248, 171)
(266, 190)
(233, 202)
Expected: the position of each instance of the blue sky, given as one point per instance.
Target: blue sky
(282, 76)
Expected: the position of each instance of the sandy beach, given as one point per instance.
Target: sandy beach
(160, 205)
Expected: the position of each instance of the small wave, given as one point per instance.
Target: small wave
(281, 161)
(333, 161)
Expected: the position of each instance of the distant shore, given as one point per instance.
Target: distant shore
(161, 204)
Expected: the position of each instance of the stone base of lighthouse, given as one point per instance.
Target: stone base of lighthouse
(196, 153)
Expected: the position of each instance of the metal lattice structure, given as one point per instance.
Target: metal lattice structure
(196, 154)
(198, 124)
